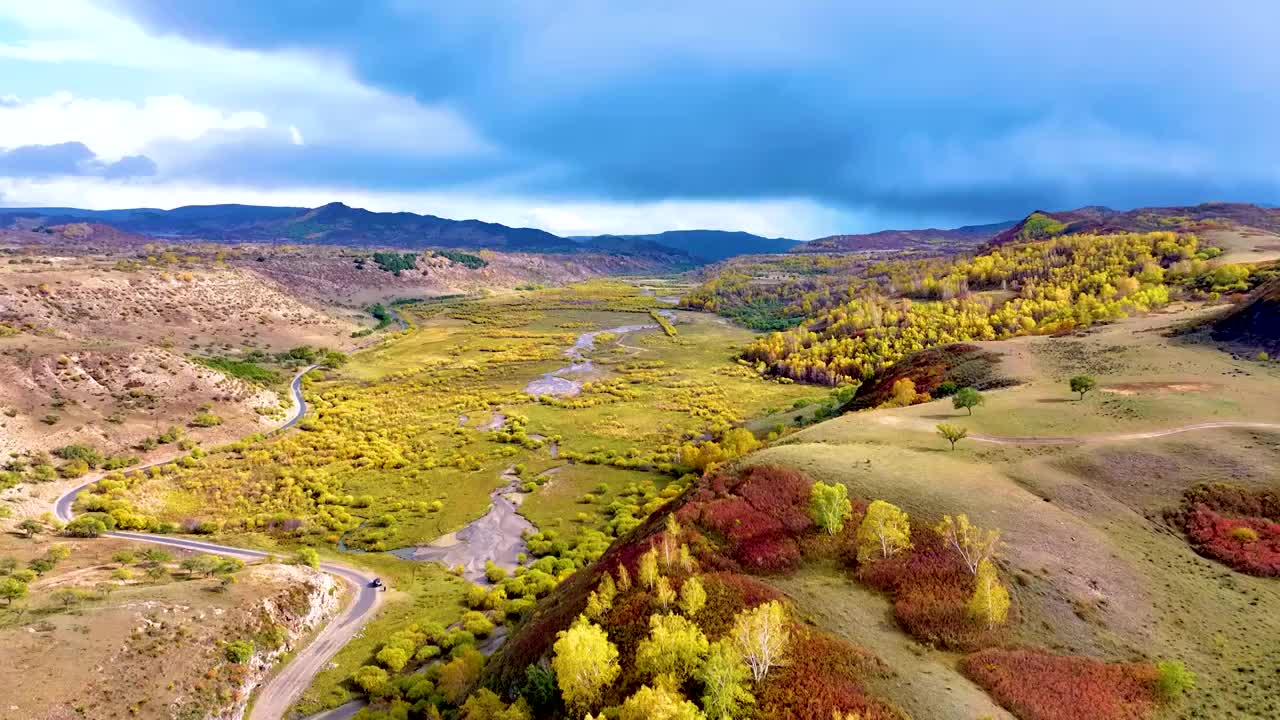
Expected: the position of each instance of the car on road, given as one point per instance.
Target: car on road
(376, 583)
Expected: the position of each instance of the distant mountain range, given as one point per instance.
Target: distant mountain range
(708, 245)
(338, 224)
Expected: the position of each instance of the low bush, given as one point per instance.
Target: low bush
(1248, 544)
(931, 587)
(821, 680)
(1036, 685)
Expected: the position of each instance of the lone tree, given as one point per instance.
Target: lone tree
(990, 601)
(1083, 384)
(885, 530)
(12, 589)
(952, 433)
(829, 506)
(967, 398)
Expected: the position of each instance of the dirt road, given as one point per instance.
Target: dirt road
(925, 426)
(288, 683)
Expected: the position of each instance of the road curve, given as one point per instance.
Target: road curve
(284, 687)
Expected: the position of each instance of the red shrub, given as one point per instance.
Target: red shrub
(734, 518)
(823, 676)
(780, 492)
(769, 553)
(930, 587)
(1036, 685)
(761, 512)
(1219, 537)
(727, 595)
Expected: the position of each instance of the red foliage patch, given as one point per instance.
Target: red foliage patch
(823, 676)
(727, 595)
(769, 553)
(1036, 685)
(1255, 549)
(780, 492)
(760, 513)
(930, 586)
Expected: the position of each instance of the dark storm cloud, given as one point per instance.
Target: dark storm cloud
(969, 110)
(69, 159)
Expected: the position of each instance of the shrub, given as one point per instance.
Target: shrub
(1173, 679)
(206, 419)
(822, 678)
(476, 623)
(1248, 544)
(238, 651)
(370, 678)
(1035, 685)
(931, 588)
(85, 526)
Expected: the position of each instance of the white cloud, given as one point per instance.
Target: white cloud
(309, 90)
(295, 136)
(793, 218)
(116, 128)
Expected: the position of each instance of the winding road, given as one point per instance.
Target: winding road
(284, 686)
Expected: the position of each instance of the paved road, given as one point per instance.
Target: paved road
(286, 685)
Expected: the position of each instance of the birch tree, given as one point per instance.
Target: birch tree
(762, 635)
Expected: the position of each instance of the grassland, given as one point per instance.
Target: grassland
(1095, 567)
(405, 443)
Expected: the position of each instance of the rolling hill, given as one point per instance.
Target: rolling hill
(960, 238)
(1255, 323)
(1097, 219)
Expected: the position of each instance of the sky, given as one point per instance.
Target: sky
(796, 119)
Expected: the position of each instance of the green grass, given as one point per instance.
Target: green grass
(420, 592)
(242, 369)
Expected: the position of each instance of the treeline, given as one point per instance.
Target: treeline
(858, 325)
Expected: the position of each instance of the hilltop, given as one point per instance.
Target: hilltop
(1202, 218)
(1255, 323)
(955, 239)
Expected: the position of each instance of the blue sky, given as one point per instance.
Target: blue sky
(798, 119)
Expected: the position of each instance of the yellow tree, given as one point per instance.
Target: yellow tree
(585, 663)
(692, 597)
(648, 570)
(885, 530)
(658, 703)
(724, 677)
(762, 635)
(990, 601)
(675, 647)
(970, 542)
(829, 506)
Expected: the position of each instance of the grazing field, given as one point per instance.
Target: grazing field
(1131, 587)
